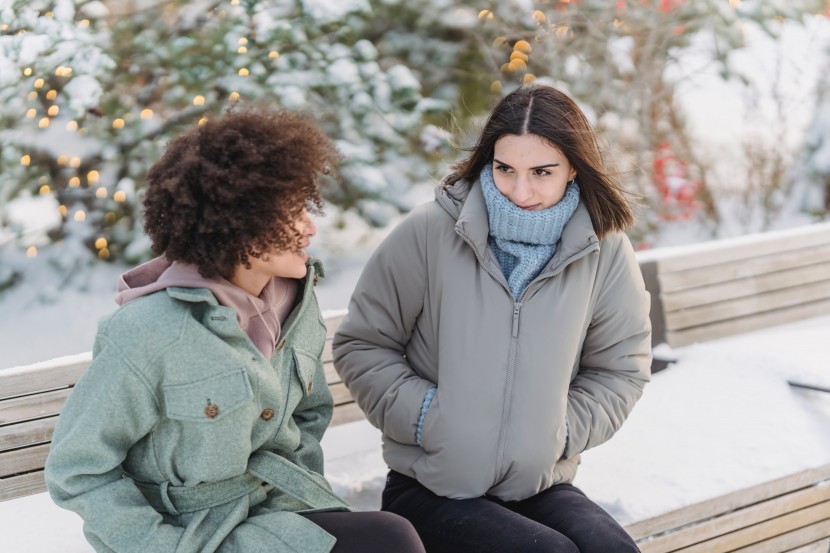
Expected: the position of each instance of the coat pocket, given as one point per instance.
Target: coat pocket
(208, 400)
(306, 364)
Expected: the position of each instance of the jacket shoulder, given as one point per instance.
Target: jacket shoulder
(149, 323)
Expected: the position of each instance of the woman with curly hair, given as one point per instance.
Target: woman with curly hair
(197, 426)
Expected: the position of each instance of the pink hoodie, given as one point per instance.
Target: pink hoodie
(260, 317)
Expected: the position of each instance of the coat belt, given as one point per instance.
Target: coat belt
(264, 469)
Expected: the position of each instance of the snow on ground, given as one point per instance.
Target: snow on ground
(720, 419)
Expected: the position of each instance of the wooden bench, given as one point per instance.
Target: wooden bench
(698, 293)
(725, 287)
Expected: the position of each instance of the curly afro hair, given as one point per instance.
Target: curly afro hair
(231, 188)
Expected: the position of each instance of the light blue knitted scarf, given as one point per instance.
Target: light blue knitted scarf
(524, 241)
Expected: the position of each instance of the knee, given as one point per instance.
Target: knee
(396, 531)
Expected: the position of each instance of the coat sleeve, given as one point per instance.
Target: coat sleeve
(616, 355)
(369, 346)
(312, 415)
(110, 409)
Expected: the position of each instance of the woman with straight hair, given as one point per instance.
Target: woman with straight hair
(498, 333)
(197, 427)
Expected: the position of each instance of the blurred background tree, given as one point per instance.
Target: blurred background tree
(91, 91)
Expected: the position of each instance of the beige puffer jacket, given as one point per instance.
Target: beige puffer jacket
(523, 387)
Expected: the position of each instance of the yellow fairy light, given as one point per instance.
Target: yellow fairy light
(75, 182)
(485, 14)
(59, 71)
(243, 41)
(51, 95)
(244, 72)
(234, 96)
(242, 50)
(523, 46)
(84, 23)
(118, 124)
(234, 3)
(67, 71)
(109, 218)
(120, 196)
(93, 177)
(515, 54)
(202, 121)
(199, 100)
(273, 54)
(562, 31)
(101, 243)
(101, 193)
(504, 68)
(27, 72)
(104, 253)
(45, 190)
(31, 251)
(32, 96)
(43, 123)
(72, 126)
(80, 215)
(516, 65)
(31, 113)
(62, 160)
(496, 86)
(528, 78)
(53, 110)
(539, 16)
(25, 160)
(62, 210)
(735, 3)
(75, 162)
(4, 27)
(146, 113)
(39, 83)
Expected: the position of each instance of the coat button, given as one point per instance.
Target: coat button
(212, 411)
(309, 387)
(315, 280)
(282, 345)
(267, 414)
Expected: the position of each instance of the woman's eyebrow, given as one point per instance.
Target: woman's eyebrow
(532, 168)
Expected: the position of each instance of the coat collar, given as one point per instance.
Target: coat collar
(465, 203)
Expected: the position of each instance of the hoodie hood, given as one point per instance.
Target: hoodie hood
(260, 317)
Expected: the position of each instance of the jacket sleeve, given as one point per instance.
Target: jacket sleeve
(312, 415)
(369, 346)
(616, 355)
(110, 409)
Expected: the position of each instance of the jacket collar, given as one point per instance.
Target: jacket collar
(465, 203)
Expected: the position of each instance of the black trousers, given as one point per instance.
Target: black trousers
(560, 519)
(368, 532)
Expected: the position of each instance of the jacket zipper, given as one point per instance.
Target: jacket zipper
(511, 364)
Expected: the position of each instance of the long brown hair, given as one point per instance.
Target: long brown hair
(551, 114)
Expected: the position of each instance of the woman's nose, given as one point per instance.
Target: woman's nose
(310, 227)
(521, 191)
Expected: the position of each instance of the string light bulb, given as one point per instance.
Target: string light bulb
(74, 182)
(25, 160)
(45, 190)
(51, 95)
(43, 123)
(120, 196)
(75, 162)
(146, 113)
(234, 96)
(101, 193)
(72, 126)
(31, 251)
(199, 100)
(53, 110)
(118, 124)
(93, 177)
(80, 216)
(31, 113)
(244, 72)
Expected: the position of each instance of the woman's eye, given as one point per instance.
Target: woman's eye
(541, 172)
(503, 168)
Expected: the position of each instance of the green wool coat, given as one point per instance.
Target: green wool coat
(182, 437)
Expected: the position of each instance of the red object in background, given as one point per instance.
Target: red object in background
(667, 6)
(678, 192)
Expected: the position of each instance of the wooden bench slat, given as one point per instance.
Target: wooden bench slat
(723, 251)
(22, 485)
(821, 546)
(675, 301)
(703, 510)
(19, 381)
(747, 306)
(787, 542)
(27, 433)
(23, 460)
(747, 324)
(340, 394)
(348, 412)
(743, 268)
(33, 407)
(741, 518)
